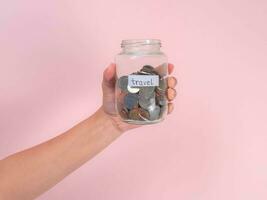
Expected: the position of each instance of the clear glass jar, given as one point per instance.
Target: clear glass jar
(141, 81)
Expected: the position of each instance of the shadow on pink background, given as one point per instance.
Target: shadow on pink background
(214, 146)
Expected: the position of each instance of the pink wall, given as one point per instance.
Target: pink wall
(52, 54)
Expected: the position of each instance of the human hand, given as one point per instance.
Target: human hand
(108, 87)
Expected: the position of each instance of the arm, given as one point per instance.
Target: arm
(28, 174)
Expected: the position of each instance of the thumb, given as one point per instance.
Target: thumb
(108, 87)
(109, 76)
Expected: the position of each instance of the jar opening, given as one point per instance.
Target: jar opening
(140, 42)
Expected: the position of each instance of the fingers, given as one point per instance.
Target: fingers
(171, 82)
(170, 68)
(170, 108)
(171, 94)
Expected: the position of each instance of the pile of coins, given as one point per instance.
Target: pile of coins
(145, 104)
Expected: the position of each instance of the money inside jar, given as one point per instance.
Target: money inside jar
(141, 95)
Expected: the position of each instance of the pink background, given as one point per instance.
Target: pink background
(214, 146)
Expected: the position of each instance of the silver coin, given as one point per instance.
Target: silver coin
(132, 90)
(146, 103)
(163, 110)
(131, 101)
(154, 113)
(148, 69)
(146, 92)
(161, 99)
(163, 102)
(123, 83)
(144, 73)
(162, 85)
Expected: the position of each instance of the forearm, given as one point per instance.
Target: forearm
(27, 174)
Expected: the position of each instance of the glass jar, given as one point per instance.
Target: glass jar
(141, 81)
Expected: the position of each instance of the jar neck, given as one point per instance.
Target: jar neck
(141, 45)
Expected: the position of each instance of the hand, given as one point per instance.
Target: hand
(31, 172)
(108, 87)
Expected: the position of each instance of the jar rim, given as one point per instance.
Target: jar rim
(140, 42)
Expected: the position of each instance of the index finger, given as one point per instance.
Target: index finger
(170, 68)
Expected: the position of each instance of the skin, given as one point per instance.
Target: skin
(27, 174)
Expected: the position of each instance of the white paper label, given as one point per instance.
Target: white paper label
(143, 80)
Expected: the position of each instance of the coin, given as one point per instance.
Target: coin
(163, 110)
(120, 100)
(123, 83)
(162, 84)
(143, 73)
(143, 103)
(161, 99)
(146, 92)
(148, 69)
(131, 100)
(124, 114)
(120, 97)
(154, 113)
(144, 114)
(132, 90)
(134, 114)
(119, 106)
(146, 103)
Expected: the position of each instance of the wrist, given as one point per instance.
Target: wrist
(112, 121)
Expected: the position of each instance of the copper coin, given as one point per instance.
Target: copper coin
(144, 114)
(124, 114)
(134, 114)
(121, 96)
